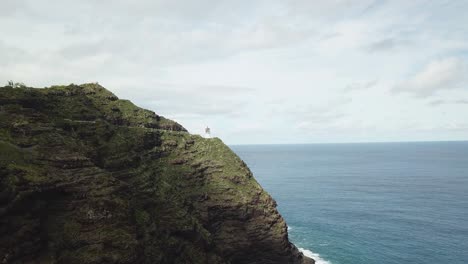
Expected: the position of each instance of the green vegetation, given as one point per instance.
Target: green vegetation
(88, 178)
(13, 84)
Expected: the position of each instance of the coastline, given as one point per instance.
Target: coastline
(313, 255)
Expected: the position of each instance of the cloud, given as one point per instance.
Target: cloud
(11, 55)
(220, 63)
(445, 102)
(327, 10)
(151, 41)
(192, 100)
(389, 43)
(319, 120)
(10, 7)
(147, 33)
(313, 116)
(360, 85)
(438, 102)
(384, 44)
(439, 75)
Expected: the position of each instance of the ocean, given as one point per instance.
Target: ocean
(369, 203)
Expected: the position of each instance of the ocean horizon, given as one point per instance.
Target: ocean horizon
(369, 203)
(346, 142)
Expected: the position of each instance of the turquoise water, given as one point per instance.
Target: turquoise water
(373, 203)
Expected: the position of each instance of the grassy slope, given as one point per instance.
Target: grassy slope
(88, 178)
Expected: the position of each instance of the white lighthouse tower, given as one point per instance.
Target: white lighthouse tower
(207, 132)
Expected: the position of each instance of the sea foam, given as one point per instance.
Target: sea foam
(315, 256)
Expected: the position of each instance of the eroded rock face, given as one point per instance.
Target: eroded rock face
(88, 178)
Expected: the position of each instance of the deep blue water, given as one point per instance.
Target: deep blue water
(370, 203)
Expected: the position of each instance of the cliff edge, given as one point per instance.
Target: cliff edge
(88, 178)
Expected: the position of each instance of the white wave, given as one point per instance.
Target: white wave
(315, 256)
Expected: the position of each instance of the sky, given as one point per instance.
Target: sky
(257, 72)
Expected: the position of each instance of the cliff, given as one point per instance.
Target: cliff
(88, 178)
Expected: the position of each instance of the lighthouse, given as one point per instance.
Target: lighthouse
(207, 132)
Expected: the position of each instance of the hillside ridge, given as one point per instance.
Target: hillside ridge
(89, 178)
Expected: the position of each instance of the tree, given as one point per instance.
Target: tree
(16, 85)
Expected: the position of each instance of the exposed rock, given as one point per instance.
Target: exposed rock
(88, 178)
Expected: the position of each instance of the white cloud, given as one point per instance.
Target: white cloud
(190, 100)
(360, 85)
(444, 74)
(448, 102)
(222, 63)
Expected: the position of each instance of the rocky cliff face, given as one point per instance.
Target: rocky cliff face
(88, 178)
